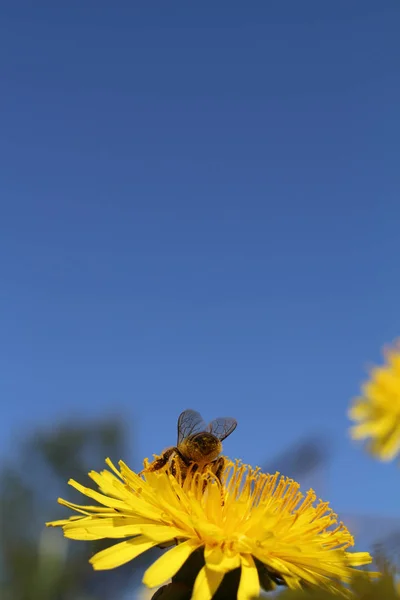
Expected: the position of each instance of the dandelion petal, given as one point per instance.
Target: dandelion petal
(217, 560)
(121, 553)
(160, 533)
(206, 584)
(377, 411)
(249, 586)
(168, 564)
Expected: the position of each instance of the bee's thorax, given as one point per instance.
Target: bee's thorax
(201, 447)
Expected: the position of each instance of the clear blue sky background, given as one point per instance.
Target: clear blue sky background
(200, 208)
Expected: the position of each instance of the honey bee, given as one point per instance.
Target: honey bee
(199, 444)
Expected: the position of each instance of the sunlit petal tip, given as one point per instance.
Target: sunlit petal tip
(58, 523)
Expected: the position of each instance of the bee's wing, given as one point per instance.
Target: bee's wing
(222, 427)
(189, 422)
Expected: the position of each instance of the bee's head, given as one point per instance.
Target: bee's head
(205, 445)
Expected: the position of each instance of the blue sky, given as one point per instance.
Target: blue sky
(200, 208)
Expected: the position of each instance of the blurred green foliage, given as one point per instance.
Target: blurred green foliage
(39, 563)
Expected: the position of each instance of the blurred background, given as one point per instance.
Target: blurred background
(198, 209)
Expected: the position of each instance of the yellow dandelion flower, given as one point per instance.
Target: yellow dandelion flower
(377, 411)
(248, 519)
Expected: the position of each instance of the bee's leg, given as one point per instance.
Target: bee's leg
(219, 466)
(183, 458)
(183, 465)
(159, 463)
(216, 467)
(204, 485)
